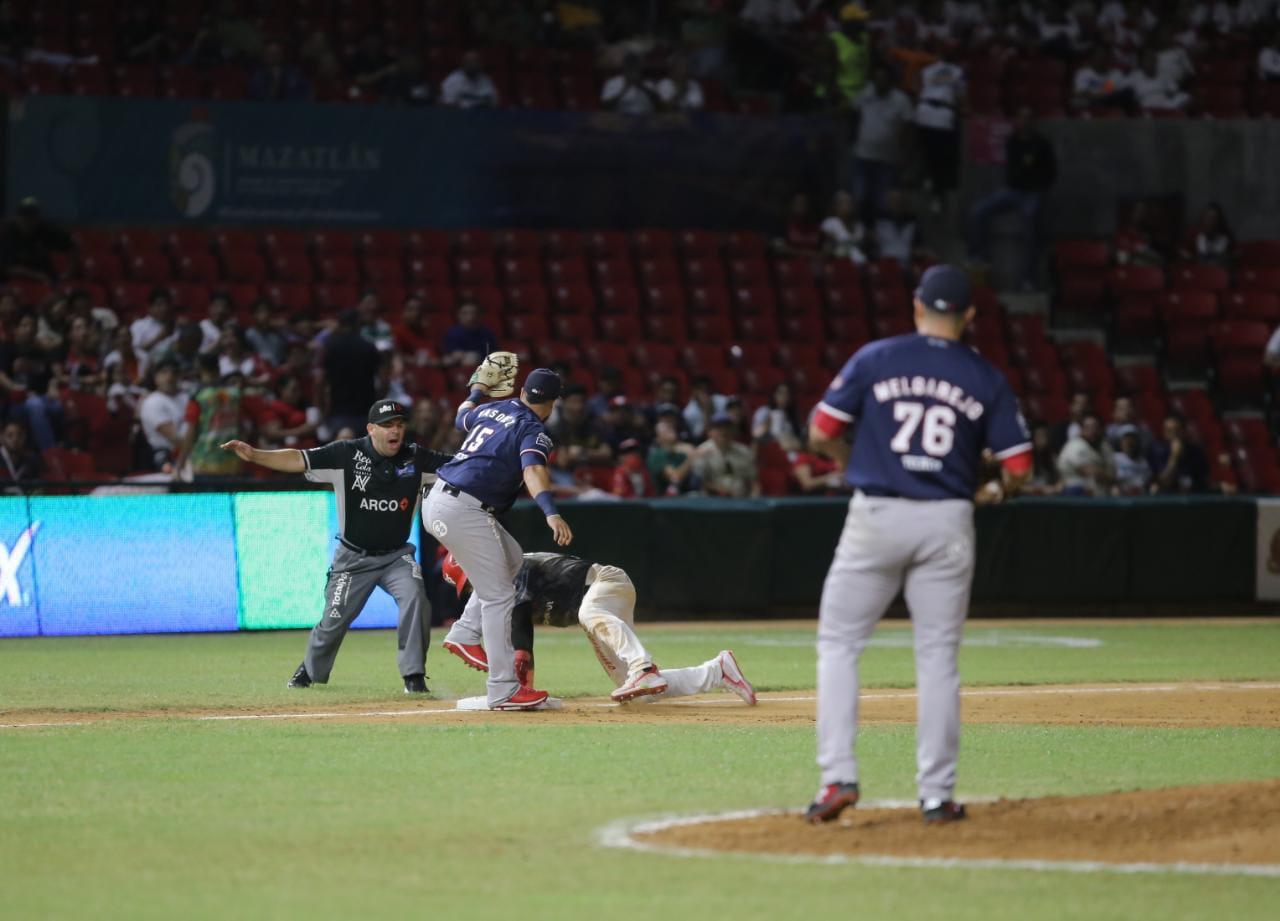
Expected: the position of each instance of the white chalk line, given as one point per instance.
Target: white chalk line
(621, 834)
(728, 700)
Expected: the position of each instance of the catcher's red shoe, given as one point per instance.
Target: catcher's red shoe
(473, 656)
(522, 699)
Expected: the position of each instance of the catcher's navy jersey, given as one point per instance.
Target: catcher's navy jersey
(925, 409)
(502, 439)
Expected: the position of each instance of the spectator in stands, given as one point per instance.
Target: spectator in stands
(704, 404)
(277, 79)
(629, 92)
(162, 414)
(351, 365)
(81, 367)
(264, 335)
(428, 426)
(1153, 90)
(897, 233)
(802, 235)
(182, 348)
(815, 87)
(236, 34)
(288, 420)
(370, 64)
(299, 363)
(1269, 58)
(21, 463)
(619, 424)
(631, 478)
(1180, 466)
(27, 242)
(942, 103)
(608, 387)
(1134, 243)
(372, 326)
(1210, 240)
(670, 459)
(27, 373)
(211, 327)
(328, 82)
(853, 52)
(776, 420)
(577, 436)
(1124, 416)
(51, 323)
(1080, 405)
(724, 466)
(1172, 60)
(1030, 170)
(412, 336)
(1087, 462)
(141, 35)
(1060, 33)
(1099, 84)
(1133, 471)
(469, 87)
(157, 326)
(772, 15)
(1044, 480)
(885, 116)
(844, 236)
(678, 91)
(468, 341)
(123, 356)
(815, 475)
(736, 410)
(1271, 355)
(235, 357)
(214, 416)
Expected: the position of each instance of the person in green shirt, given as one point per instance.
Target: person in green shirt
(215, 414)
(853, 52)
(670, 460)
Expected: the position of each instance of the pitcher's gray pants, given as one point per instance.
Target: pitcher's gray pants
(352, 579)
(926, 550)
(491, 558)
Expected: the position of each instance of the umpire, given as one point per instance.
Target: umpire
(377, 482)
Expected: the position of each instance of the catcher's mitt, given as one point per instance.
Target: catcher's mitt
(498, 373)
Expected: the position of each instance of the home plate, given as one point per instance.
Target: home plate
(482, 703)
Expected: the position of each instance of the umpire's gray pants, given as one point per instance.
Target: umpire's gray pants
(924, 549)
(352, 579)
(491, 558)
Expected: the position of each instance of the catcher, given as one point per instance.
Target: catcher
(558, 590)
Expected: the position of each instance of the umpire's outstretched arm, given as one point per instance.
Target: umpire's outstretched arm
(285, 460)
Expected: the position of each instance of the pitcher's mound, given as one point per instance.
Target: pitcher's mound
(1220, 824)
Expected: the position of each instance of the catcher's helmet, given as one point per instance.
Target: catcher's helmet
(454, 575)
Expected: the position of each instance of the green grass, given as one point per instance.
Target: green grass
(250, 669)
(168, 818)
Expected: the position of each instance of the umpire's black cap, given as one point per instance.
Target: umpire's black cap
(386, 410)
(945, 288)
(542, 385)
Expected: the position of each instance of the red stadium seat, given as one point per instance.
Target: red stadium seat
(1252, 305)
(573, 299)
(803, 328)
(530, 327)
(705, 271)
(607, 244)
(1082, 292)
(474, 242)
(841, 273)
(1137, 316)
(647, 354)
(749, 271)
(761, 379)
(848, 329)
(103, 267)
(1195, 277)
(572, 270)
(653, 243)
(709, 299)
(528, 298)
(669, 327)
(429, 270)
(698, 244)
(520, 269)
(187, 241)
(1138, 378)
(695, 356)
(755, 300)
(475, 270)
(709, 327)
(382, 270)
(806, 352)
(293, 297)
(845, 302)
(235, 241)
(794, 272)
(487, 297)
(150, 267)
(1134, 279)
(339, 270)
(613, 270)
(746, 244)
(753, 328)
(1263, 253)
(1241, 376)
(427, 243)
(573, 327)
(200, 267)
(285, 266)
(380, 243)
(333, 243)
(623, 328)
(619, 299)
(292, 242)
(1259, 278)
(659, 270)
(518, 242)
(804, 301)
(602, 354)
(330, 298)
(666, 299)
(563, 244)
(135, 241)
(1184, 307)
(1240, 337)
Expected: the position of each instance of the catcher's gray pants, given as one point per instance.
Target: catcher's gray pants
(491, 558)
(926, 550)
(352, 579)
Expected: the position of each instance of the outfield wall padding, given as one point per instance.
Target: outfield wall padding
(241, 561)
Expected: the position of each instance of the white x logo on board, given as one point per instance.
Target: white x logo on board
(11, 562)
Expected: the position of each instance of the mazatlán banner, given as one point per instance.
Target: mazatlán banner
(75, 565)
(136, 160)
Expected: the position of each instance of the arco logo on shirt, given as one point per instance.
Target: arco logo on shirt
(384, 505)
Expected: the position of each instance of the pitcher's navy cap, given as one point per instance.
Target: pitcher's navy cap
(542, 385)
(944, 288)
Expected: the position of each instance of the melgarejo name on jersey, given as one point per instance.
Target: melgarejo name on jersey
(895, 388)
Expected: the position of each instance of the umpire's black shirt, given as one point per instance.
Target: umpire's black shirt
(377, 496)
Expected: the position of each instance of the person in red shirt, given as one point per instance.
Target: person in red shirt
(285, 419)
(816, 475)
(631, 477)
(413, 338)
(802, 235)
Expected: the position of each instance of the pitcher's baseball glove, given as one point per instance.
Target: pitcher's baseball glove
(498, 373)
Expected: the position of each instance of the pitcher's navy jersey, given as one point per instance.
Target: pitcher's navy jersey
(925, 408)
(502, 439)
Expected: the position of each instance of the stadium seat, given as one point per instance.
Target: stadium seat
(845, 301)
(1259, 278)
(575, 298)
(1196, 277)
(571, 270)
(573, 327)
(841, 273)
(607, 244)
(695, 356)
(749, 271)
(623, 328)
(613, 270)
(199, 267)
(153, 267)
(331, 243)
(705, 271)
(666, 299)
(793, 272)
(755, 300)
(710, 327)
(1252, 305)
(528, 298)
(434, 243)
(1082, 292)
(805, 301)
(751, 328)
(654, 243)
(648, 354)
(602, 354)
(291, 242)
(474, 242)
(848, 330)
(619, 299)
(1135, 378)
(801, 329)
(135, 241)
(429, 270)
(1134, 279)
(487, 297)
(1240, 337)
(761, 379)
(564, 244)
(668, 327)
(475, 270)
(532, 327)
(709, 299)
(330, 298)
(659, 270)
(520, 269)
(698, 244)
(285, 266)
(745, 244)
(339, 270)
(101, 267)
(380, 243)
(236, 241)
(1137, 316)
(382, 270)
(1265, 253)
